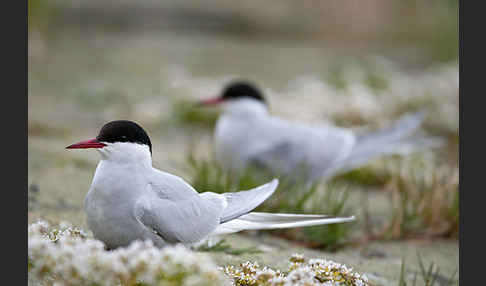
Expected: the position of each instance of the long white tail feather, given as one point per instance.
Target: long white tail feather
(387, 141)
(259, 220)
(403, 147)
(403, 127)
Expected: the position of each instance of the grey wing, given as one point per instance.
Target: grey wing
(280, 158)
(335, 144)
(185, 221)
(171, 187)
(240, 203)
(308, 149)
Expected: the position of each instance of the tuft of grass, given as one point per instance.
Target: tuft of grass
(223, 246)
(401, 280)
(376, 81)
(187, 112)
(208, 175)
(424, 201)
(366, 176)
(320, 198)
(332, 201)
(336, 77)
(430, 275)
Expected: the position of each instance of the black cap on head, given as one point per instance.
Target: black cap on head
(124, 131)
(242, 89)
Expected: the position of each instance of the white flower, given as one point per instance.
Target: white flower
(70, 258)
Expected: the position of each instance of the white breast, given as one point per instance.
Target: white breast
(109, 204)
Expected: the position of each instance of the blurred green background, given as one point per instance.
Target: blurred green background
(424, 31)
(95, 61)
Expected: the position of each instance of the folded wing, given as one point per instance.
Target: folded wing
(300, 148)
(240, 203)
(184, 221)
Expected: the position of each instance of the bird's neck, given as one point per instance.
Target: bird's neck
(131, 154)
(122, 171)
(245, 107)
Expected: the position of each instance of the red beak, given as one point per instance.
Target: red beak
(93, 143)
(211, 101)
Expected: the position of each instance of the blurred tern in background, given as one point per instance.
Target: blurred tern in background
(130, 200)
(246, 135)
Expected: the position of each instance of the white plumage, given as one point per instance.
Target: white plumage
(130, 200)
(246, 135)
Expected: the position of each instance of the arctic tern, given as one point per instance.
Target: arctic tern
(130, 200)
(246, 135)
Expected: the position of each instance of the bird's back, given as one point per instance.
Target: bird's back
(279, 145)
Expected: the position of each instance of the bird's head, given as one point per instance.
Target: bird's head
(119, 140)
(239, 96)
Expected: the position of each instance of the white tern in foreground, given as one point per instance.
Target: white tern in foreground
(130, 200)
